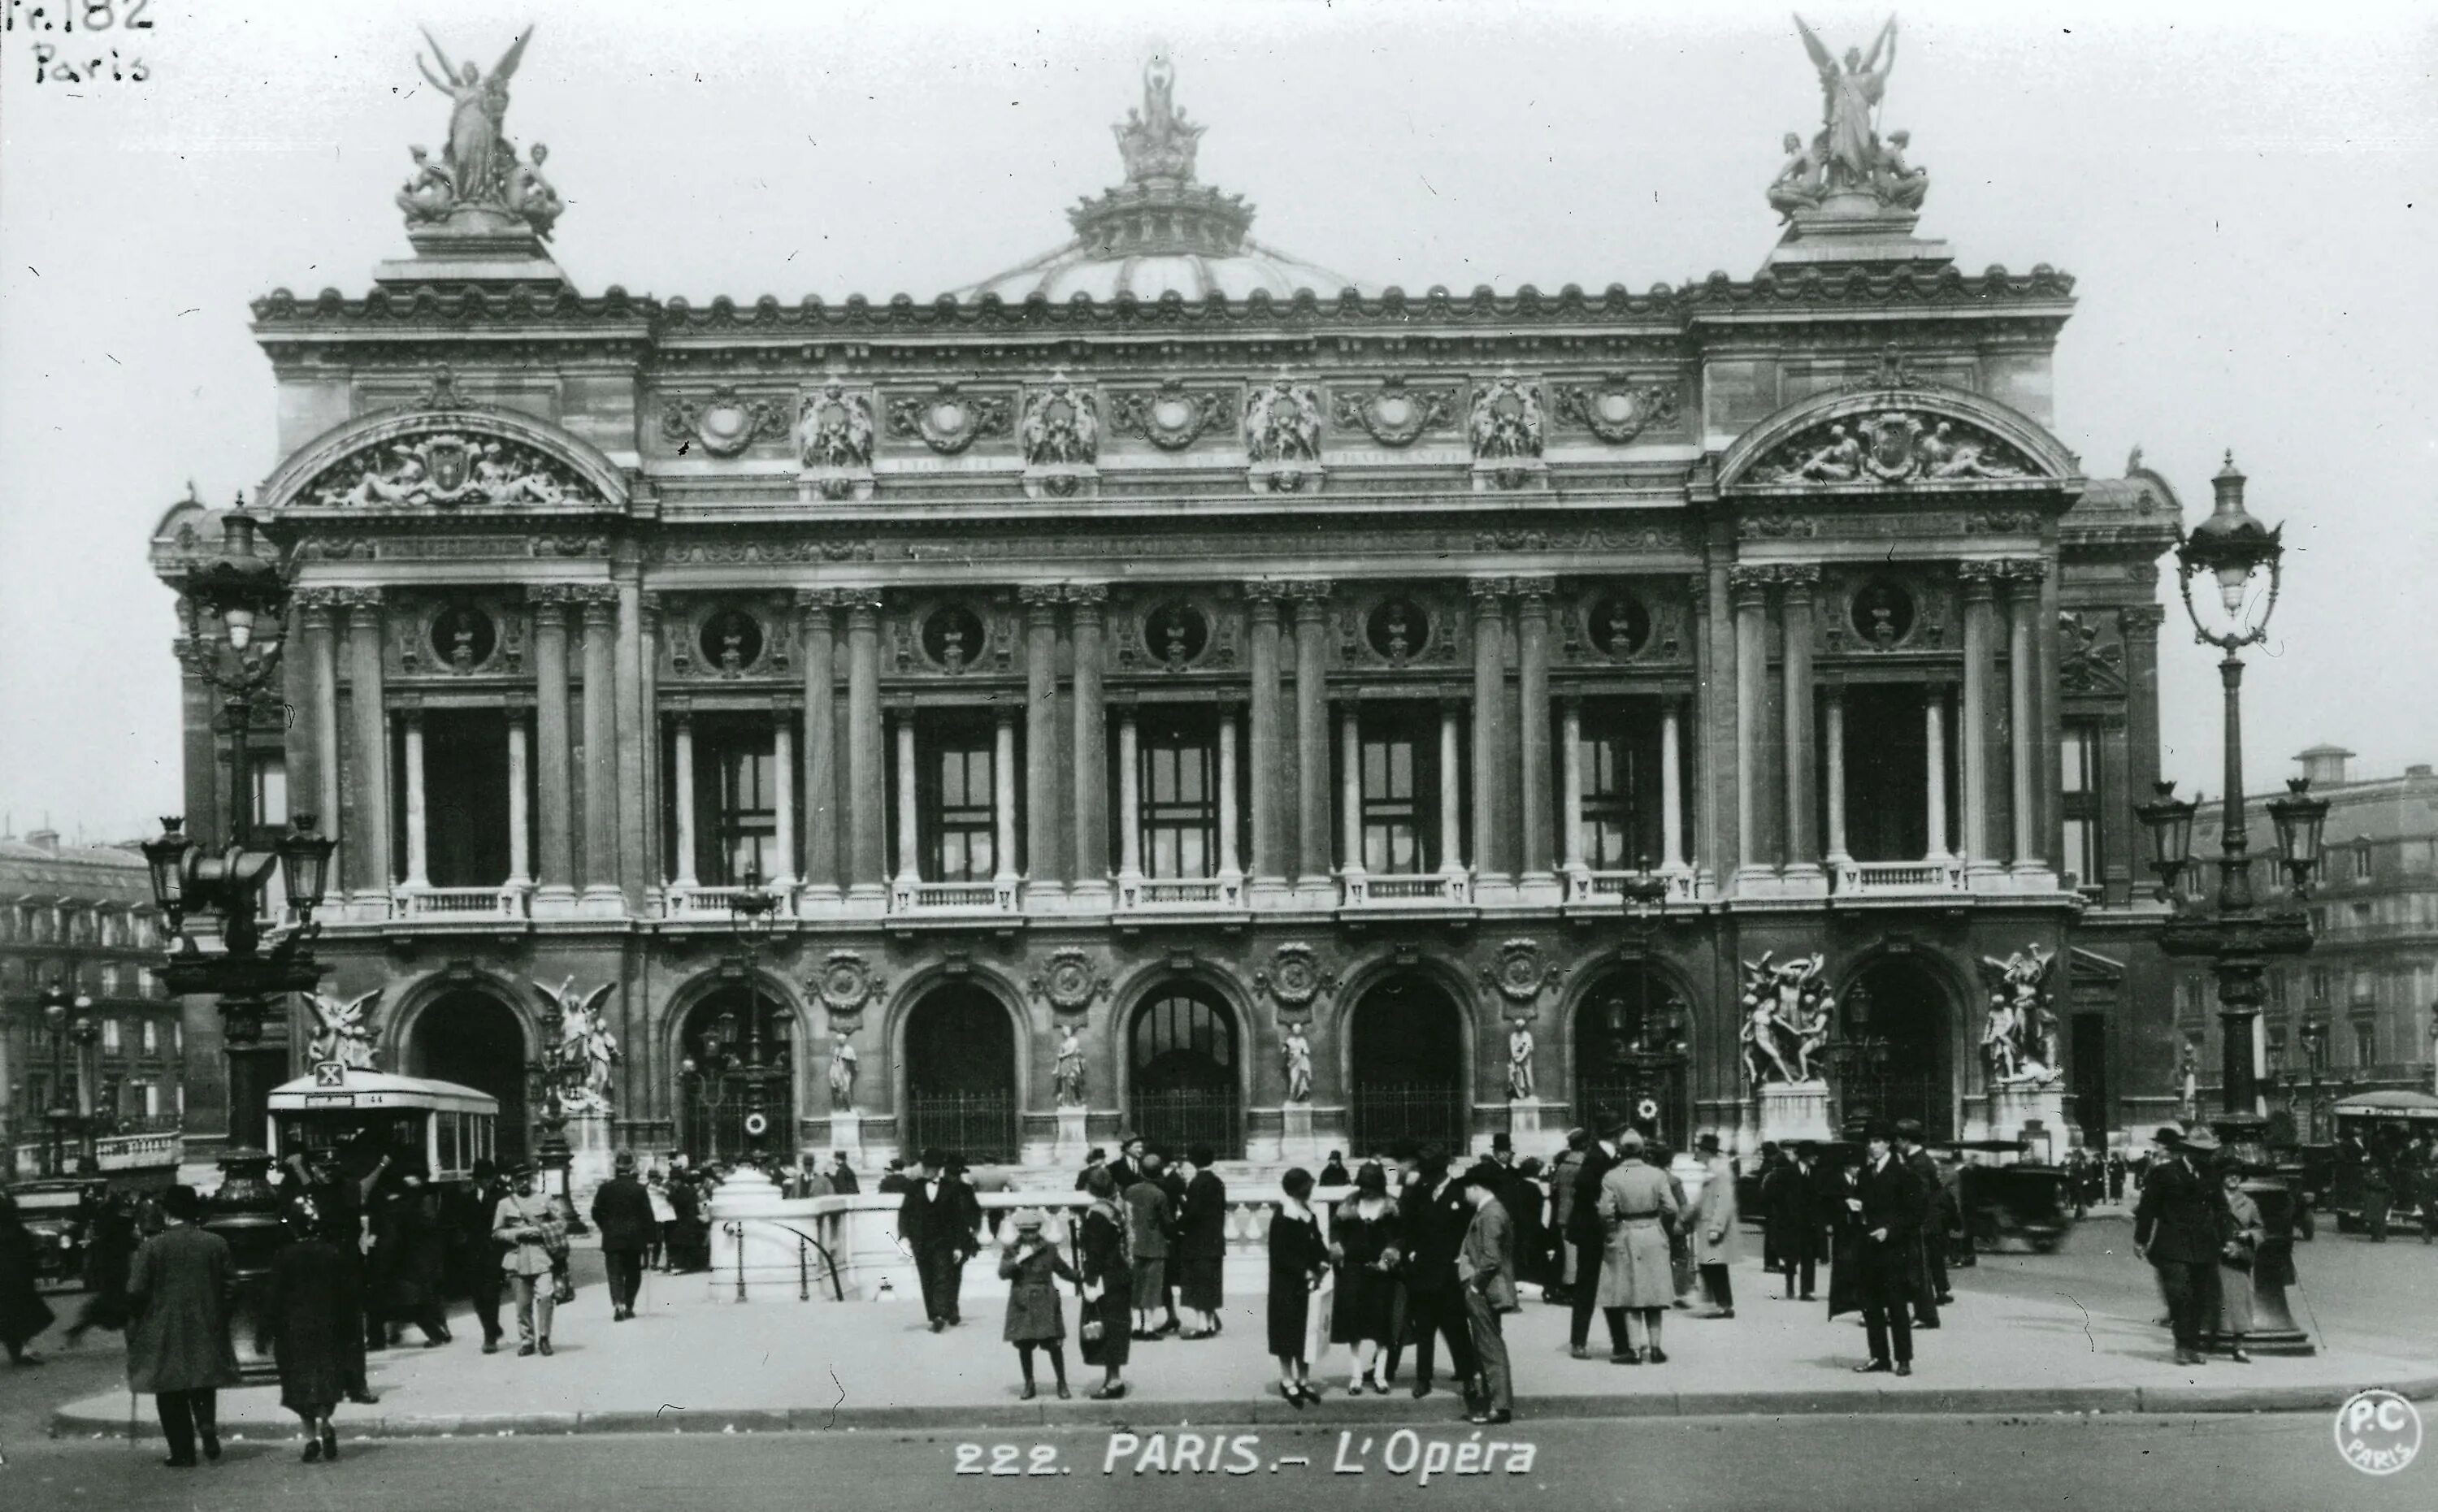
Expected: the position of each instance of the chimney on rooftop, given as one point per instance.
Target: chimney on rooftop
(44, 839)
(2325, 765)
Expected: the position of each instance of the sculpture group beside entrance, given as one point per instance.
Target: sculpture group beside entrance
(576, 1063)
(2019, 1036)
(1786, 1011)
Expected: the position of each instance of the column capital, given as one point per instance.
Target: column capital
(650, 602)
(2137, 617)
(1980, 580)
(599, 601)
(1796, 577)
(1486, 592)
(1750, 585)
(863, 607)
(1259, 590)
(1532, 594)
(1311, 596)
(1088, 599)
(359, 601)
(2023, 571)
(1697, 590)
(815, 603)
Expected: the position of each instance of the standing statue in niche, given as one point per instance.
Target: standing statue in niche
(1069, 1072)
(844, 1065)
(1519, 1061)
(1298, 1052)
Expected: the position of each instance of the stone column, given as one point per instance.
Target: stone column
(909, 837)
(821, 746)
(1350, 798)
(317, 629)
(1044, 844)
(867, 874)
(1311, 734)
(1265, 716)
(2023, 670)
(1230, 867)
(1802, 812)
(1091, 747)
(602, 895)
(1533, 746)
(1490, 856)
(371, 879)
(1934, 731)
(1750, 585)
(1003, 794)
(1129, 799)
(1711, 845)
(1832, 710)
(1451, 788)
(2125, 843)
(556, 892)
(652, 798)
(520, 810)
(636, 818)
(783, 801)
(419, 854)
(1571, 798)
(1671, 791)
(682, 778)
(1973, 714)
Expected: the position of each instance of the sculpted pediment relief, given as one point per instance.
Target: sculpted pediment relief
(444, 452)
(1897, 440)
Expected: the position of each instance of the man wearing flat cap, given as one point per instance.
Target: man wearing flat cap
(2180, 1226)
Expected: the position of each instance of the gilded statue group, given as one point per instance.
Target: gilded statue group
(1848, 155)
(479, 170)
(1786, 1012)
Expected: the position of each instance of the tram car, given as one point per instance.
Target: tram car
(434, 1129)
(2376, 1127)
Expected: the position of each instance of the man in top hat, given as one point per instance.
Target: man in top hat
(622, 1211)
(933, 1223)
(1585, 1231)
(2179, 1228)
(894, 1180)
(1885, 1208)
(1714, 1227)
(1933, 1292)
(1485, 1270)
(1433, 1218)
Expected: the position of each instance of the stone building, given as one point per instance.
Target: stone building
(2368, 992)
(1173, 643)
(81, 918)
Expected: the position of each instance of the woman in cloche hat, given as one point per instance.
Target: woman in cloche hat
(1030, 1265)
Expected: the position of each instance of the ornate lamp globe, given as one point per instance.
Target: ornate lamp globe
(165, 858)
(2299, 817)
(240, 587)
(2169, 821)
(2233, 548)
(305, 865)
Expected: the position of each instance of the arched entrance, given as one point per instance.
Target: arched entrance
(469, 1037)
(738, 1060)
(961, 1084)
(1898, 1014)
(1182, 1061)
(1630, 1053)
(1405, 1068)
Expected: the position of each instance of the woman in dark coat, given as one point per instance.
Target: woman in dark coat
(309, 1318)
(1366, 1243)
(1106, 1269)
(1035, 1319)
(179, 1348)
(24, 1314)
(106, 1258)
(1298, 1265)
(1791, 1221)
(1202, 1243)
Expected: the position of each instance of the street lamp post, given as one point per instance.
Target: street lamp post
(2240, 937)
(750, 916)
(71, 1021)
(237, 607)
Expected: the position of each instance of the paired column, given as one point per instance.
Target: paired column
(371, 755)
(1042, 807)
(866, 756)
(316, 630)
(1129, 799)
(821, 745)
(1973, 716)
(1802, 823)
(682, 778)
(1230, 867)
(1934, 735)
(1750, 586)
(1350, 777)
(910, 850)
(1571, 795)
(1532, 691)
(1489, 695)
(1266, 732)
(654, 864)
(1671, 790)
(601, 890)
(418, 864)
(2023, 663)
(1003, 794)
(1091, 747)
(1832, 711)
(1451, 789)
(783, 801)
(1311, 731)
(551, 777)
(520, 810)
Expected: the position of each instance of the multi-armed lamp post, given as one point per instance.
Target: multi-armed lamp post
(2240, 937)
(238, 610)
(71, 1021)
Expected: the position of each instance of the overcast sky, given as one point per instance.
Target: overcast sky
(2246, 196)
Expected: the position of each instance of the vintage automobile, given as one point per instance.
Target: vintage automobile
(60, 1215)
(2010, 1203)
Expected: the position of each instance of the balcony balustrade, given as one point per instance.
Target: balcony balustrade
(1420, 890)
(1899, 879)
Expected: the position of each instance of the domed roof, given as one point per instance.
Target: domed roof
(1160, 232)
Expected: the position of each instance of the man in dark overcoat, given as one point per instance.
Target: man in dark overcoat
(1434, 1217)
(1885, 1210)
(1589, 1237)
(622, 1212)
(2180, 1226)
(931, 1225)
(1931, 1270)
(1791, 1213)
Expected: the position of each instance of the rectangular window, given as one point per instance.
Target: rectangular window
(151, 1100)
(1392, 838)
(152, 1037)
(957, 797)
(1179, 781)
(1620, 752)
(2276, 985)
(270, 788)
(2079, 801)
(2362, 868)
(2365, 1045)
(110, 1036)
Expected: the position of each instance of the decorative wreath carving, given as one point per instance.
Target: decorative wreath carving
(1520, 973)
(845, 983)
(1294, 977)
(1069, 980)
(950, 421)
(1614, 410)
(724, 424)
(1171, 416)
(1395, 414)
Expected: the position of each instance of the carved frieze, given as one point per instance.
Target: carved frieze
(723, 422)
(1615, 408)
(1062, 426)
(1395, 414)
(1888, 448)
(448, 467)
(949, 419)
(1171, 417)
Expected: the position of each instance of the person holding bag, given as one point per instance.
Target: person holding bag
(533, 1255)
(1108, 1274)
(2236, 1260)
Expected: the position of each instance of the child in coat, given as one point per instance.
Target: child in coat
(1031, 1265)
